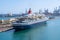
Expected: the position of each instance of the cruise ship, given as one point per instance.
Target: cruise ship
(28, 20)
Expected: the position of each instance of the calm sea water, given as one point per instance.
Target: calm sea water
(49, 31)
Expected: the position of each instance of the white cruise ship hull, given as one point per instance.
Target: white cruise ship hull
(29, 24)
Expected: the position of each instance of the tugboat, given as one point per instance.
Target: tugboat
(28, 20)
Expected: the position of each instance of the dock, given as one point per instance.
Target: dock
(5, 27)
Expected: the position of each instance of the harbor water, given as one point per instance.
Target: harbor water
(48, 31)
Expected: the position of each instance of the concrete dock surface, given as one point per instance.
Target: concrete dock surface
(5, 27)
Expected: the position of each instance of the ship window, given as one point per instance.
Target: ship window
(17, 21)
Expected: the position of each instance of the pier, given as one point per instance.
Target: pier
(5, 27)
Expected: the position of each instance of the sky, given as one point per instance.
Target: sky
(17, 6)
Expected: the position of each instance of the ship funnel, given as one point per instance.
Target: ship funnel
(29, 12)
